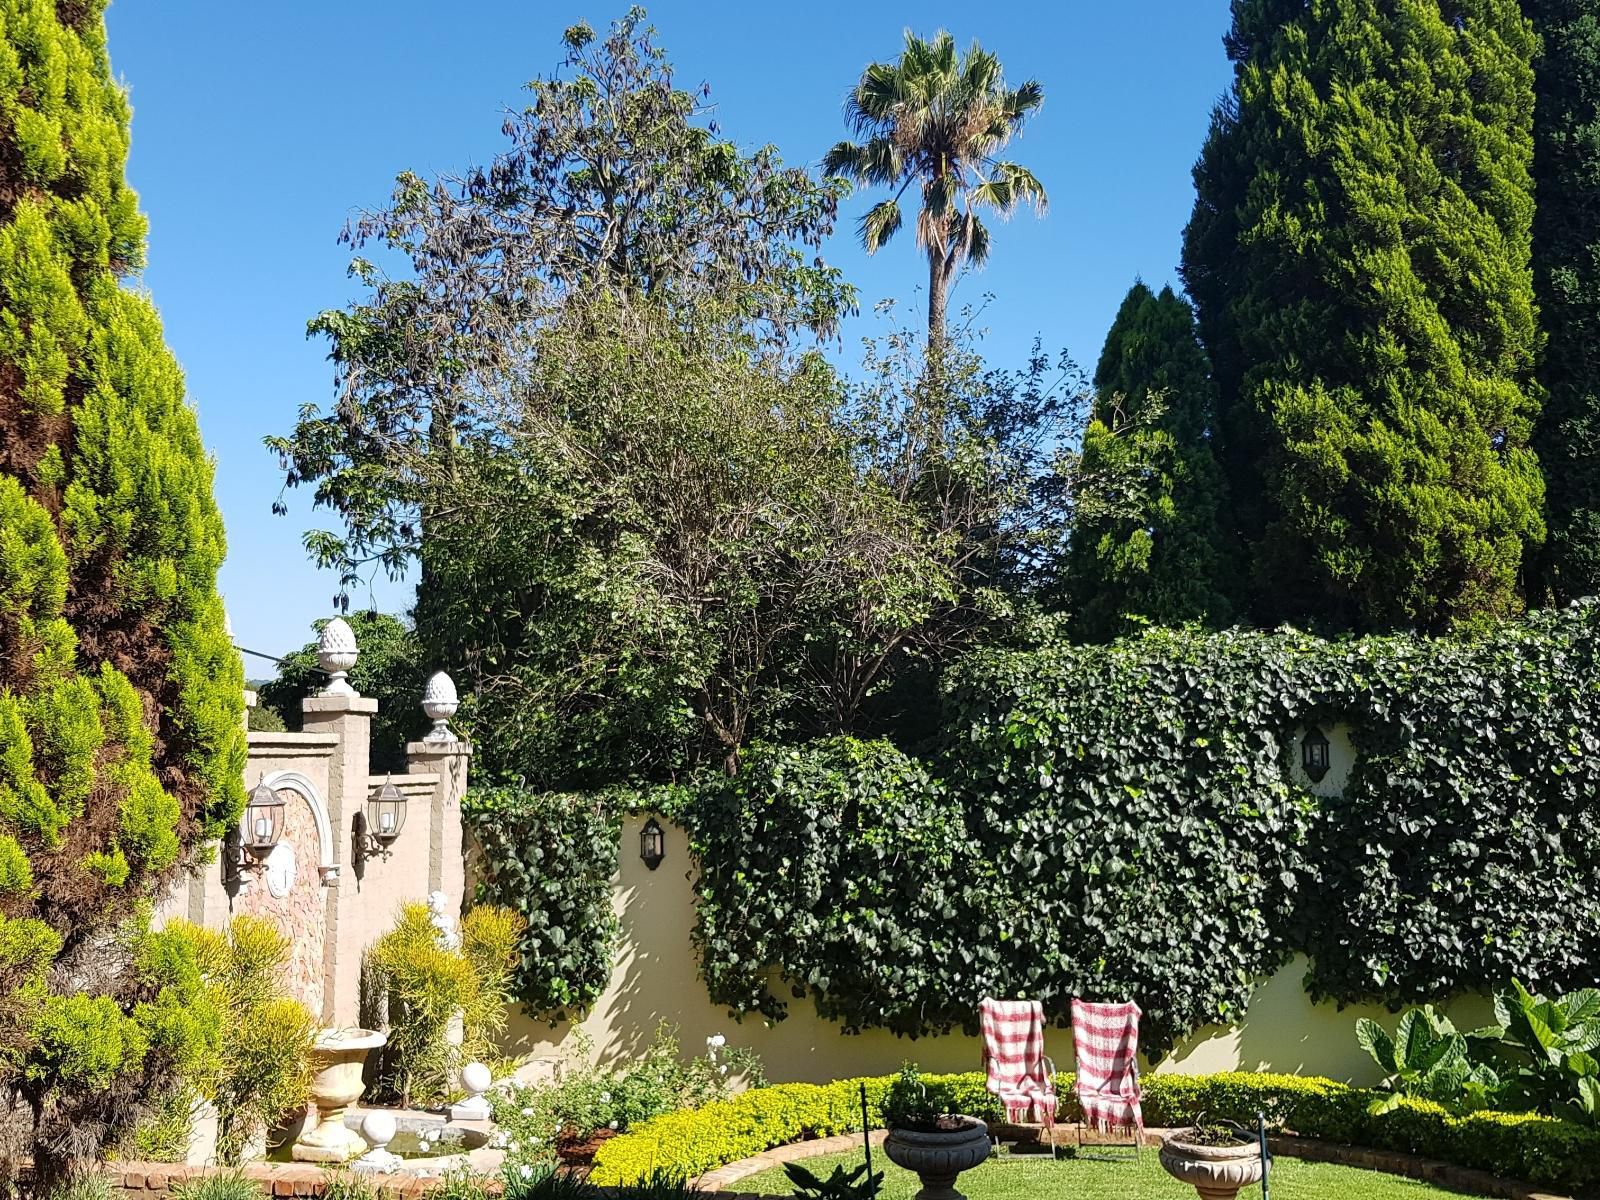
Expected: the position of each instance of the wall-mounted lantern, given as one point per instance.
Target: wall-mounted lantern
(652, 843)
(1314, 754)
(262, 825)
(381, 823)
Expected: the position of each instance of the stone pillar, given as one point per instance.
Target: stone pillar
(446, 867)
(348, 716)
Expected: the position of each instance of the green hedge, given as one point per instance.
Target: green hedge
(693, 1141)
(1524, 1146)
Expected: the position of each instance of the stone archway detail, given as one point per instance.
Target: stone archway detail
(327, 860)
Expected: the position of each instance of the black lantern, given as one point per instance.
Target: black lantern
(1314, 754)
(263, 821)
(652, 843)
(377, 828)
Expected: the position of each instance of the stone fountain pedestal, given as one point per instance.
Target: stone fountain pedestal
(337, 1058)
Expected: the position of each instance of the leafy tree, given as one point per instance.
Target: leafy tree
(1359, 258)
(1163, 558)
(121, 733)
(614, 178)
(630, 564)
(390, 668)
(1566, 266)
(938, 118)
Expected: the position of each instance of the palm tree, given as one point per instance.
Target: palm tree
(941, 118)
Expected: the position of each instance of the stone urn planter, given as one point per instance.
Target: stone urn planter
(938, 1154)
(1217, 1172)
(337, 1058)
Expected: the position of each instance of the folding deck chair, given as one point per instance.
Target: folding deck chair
(1015, 1065)
(1105, 1041)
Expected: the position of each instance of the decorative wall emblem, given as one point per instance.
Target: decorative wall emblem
(281, 870)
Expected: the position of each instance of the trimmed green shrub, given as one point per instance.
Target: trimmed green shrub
(692, 1141)
(1517, 1145)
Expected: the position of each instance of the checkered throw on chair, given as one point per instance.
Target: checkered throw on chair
(1105, 1038)
(1013, 1056)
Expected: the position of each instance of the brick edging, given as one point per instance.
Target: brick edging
(1411, 1166)
(1390, 1162)
(153, 1181)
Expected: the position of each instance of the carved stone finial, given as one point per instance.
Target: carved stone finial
(439, 702)
(336, 654)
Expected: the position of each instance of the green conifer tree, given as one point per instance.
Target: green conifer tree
(1566, 266)
(121, 745)
(1159, 553)
(1359, 259)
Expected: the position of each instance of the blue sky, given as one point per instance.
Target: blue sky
(259, 128)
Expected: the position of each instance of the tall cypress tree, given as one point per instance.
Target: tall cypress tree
(121, 744)
(1359, 258)
(1566, 266)
(1158, 555)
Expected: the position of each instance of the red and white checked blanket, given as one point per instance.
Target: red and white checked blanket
(1013, 1056)
(1105, 1038)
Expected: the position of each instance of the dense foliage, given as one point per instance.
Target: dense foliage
(1082, 784)
(419, 979)
(549, 1122)
(1566, 265)
(121, 743)
(1359, 257)
(1519, 1146)
(614, 179)
(389, 668)
(1163, 557)
(264, 1066)
(1538, 1056)
(550, 857)
(938, 118)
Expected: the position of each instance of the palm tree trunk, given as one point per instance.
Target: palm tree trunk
(938, 299)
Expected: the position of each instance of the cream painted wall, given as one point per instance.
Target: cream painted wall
(656, 979)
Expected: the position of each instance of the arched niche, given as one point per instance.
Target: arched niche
(294, 781)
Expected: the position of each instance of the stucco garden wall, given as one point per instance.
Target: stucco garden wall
(655, 979)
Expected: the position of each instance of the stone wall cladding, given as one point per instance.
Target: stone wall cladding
(302, 914)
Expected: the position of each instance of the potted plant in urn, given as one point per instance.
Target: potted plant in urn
(937, 1145)
(1216, 1158)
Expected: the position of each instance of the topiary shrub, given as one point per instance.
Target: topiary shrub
(121, 739)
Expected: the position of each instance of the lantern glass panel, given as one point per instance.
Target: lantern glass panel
(652, 844)
(263, 820)
(386, 813)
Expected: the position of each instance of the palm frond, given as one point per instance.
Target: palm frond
(975, 239)
(879, 224)
(1021, 101)
(1009, 185)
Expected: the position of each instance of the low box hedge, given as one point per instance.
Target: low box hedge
(1523, 1146)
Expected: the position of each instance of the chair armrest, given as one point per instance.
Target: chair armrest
(1050, 1071)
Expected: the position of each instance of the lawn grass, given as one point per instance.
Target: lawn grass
(1099, 1179)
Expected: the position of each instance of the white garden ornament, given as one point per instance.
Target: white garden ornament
(337, 654)
(440, 702)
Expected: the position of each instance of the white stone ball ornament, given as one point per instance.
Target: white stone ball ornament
(475, 1079)
(378, 1128)
(440, 702)
(336, 654)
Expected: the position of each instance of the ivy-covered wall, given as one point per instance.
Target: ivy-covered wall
(1122, 821)
(1125, 820)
